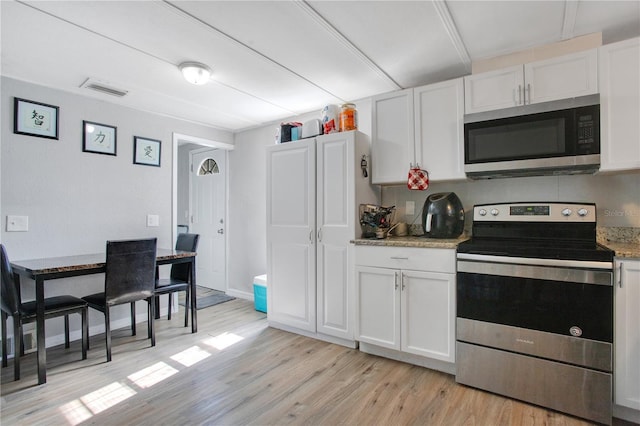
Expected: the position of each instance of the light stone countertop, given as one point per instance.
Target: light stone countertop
(625, 241)
(411, 241)
(628, 250)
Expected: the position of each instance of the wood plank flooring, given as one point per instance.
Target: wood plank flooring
(238, 371)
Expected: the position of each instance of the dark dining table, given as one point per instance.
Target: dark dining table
(52, 268)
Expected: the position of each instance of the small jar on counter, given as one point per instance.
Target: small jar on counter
(348, 118)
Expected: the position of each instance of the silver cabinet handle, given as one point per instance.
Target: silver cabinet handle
(620, 275)
(399, 258)
(528, 94)
(311, 236)
(395, 280)
(320, 235)
(402, 279)
(519, 94)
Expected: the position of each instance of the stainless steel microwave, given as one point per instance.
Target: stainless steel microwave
(550, 138)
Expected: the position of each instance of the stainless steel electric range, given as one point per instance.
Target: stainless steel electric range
(535, 307)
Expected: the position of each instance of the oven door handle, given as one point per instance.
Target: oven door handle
(536, 261)
(571, 275)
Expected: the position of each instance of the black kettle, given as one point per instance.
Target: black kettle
(443, 216)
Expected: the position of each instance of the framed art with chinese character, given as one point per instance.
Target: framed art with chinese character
(99, 138)
(146, 151)
(35, 119)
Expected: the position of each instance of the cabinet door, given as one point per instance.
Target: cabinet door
(491, 90)
(335, 228)
(439, 111)
(378, 306)
(291, 254)
(428, 314)
(620, 105)
(627, 334)
(392, 146)
(562, 77)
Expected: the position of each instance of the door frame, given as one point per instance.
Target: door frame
(179, 139)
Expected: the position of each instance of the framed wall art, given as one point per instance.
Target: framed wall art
(146, 151)
(35, 119)
(99, 138)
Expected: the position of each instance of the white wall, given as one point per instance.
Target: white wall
(246, 223)
(76, 200)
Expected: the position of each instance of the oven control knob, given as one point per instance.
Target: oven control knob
(482, 212)
(566, 212)
(495, 212)
(575, 331)
(583, 212)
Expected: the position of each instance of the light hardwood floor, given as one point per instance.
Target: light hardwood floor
(238, 371)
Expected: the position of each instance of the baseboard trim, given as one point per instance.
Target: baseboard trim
(240, 294)
(432, 364)
(625, 413)
(319, 336)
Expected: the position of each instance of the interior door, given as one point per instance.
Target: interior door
(208, 215)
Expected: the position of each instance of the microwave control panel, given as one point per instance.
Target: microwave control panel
(587, 131)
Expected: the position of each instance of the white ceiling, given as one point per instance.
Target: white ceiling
(276, 59)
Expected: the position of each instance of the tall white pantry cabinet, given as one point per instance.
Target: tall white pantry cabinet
(314, 188)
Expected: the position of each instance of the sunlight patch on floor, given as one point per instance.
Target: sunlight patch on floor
(190, 356)
(223, 340)
(149, 376)
(93, 403)
(82, 409)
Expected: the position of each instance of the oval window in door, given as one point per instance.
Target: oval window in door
(208, 167)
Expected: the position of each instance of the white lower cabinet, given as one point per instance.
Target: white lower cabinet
(626, 370)
(406, 300)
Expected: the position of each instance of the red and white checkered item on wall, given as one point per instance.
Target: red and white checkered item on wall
(418, 179)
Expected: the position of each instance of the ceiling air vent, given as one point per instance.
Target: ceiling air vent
(103, 87)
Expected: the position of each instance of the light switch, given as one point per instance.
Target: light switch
(410, 208)
(17, 223)
(153, 220)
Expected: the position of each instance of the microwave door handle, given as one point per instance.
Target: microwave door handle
(427, 226)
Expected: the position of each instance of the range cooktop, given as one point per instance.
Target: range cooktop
(545, 230)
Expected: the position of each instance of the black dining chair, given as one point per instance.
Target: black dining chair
(129, 276)
(24, 313)
(180, 277)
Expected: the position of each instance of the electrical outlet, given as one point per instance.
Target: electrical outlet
(17, 223)
(410, 208)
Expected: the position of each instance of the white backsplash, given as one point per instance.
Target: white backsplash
(617, 197)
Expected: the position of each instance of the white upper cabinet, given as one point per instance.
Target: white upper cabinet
(422, 126)
(542, 81)
(494, 89)
(439, 137)
(620, 105)
(392, 143)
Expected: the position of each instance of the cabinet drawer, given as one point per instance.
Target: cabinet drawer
(421, 259)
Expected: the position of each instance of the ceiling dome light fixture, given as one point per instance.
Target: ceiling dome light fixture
(195, 72)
